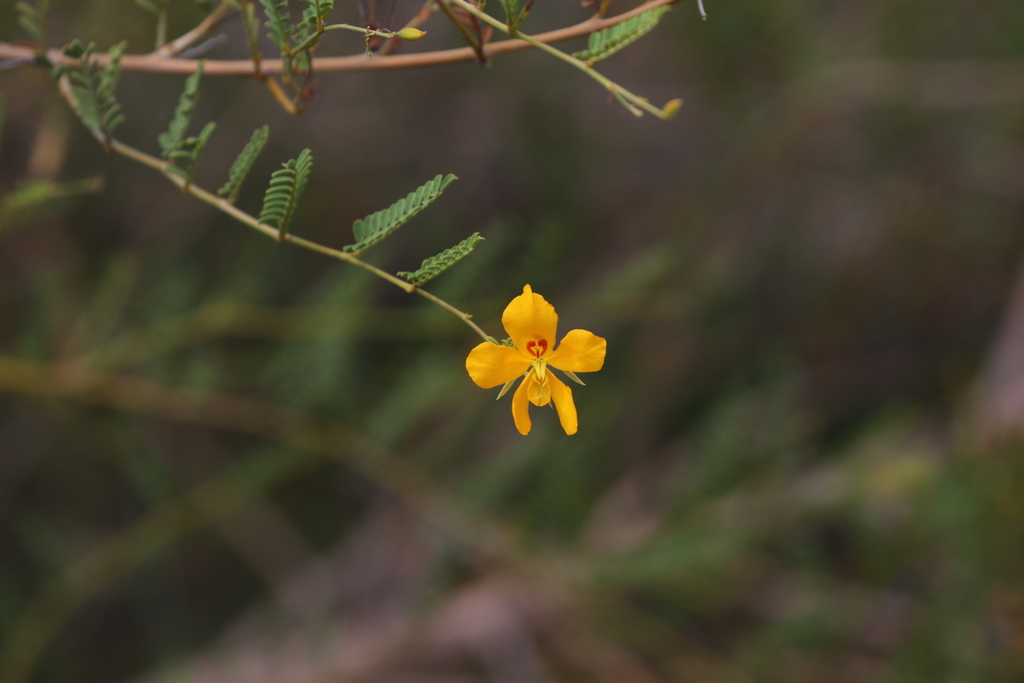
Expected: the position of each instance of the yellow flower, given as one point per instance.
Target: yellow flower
(531, 323)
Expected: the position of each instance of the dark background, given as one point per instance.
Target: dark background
(224, 459)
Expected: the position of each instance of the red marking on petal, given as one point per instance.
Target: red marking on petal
(537, 349)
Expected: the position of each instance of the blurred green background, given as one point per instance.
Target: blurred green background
(223, 459)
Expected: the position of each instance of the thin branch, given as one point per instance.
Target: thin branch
(187, 39)
(427, 10)
(161, 27)
(239, 215)
(467, 35)
(17, 63)
(634, 103)
(281, 96)
(464, 317)
(360, 62)
(205, 46)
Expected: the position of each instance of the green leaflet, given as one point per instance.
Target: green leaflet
(32, 17)
(182, 114)
(186, 153)
(94, 87)
(608, 41)
(286, 184)
(76, 50)
(435, 265)
(375, 227)
(243, 164)
(316, 11)
(279, 30)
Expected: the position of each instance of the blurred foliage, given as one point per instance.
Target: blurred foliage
(224, 459)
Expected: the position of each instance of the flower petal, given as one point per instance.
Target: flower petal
(521, 407)
(530, 318)
(580, 351)
(566, 407)
(490, 364)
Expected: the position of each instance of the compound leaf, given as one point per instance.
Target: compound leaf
(286, 184)
(243, 164)
(606, 42)
(32, 17)
(279, 29)
(182, 114)
(375, 227)
(94, 88)
(186, 153)
(435, 265)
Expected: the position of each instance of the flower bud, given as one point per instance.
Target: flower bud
(410, 33)
(672, 108)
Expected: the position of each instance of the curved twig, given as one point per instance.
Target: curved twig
(187, 39)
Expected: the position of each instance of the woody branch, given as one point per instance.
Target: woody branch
(160, 63)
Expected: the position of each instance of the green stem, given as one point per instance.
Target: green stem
(613, 87)
(309, 42)
(464, 317)
(312, 40)
(357, 29)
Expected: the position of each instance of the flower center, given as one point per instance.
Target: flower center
(537, 349)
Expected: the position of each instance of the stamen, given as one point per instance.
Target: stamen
(540, 366)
